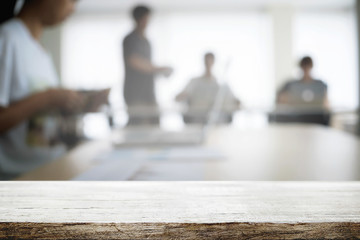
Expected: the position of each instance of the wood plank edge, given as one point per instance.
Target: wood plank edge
(334, 230)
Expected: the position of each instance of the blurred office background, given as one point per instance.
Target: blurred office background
(262, 40)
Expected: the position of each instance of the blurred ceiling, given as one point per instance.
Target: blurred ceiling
(186, 5)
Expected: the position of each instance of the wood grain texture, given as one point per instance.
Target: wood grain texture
(179, 210)
(180, 231)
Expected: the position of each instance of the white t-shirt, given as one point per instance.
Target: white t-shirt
(25, 69)
(201, 94)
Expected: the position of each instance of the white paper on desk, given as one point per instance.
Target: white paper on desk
(165, 164)
(121, 155)
(120, 170)
(175, 153)
(188, 153)
(171, 171)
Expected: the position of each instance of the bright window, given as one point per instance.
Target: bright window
(92, 54)
(330, 38)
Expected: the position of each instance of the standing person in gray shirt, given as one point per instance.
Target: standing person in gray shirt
(140, 72)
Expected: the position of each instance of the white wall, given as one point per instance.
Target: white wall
(281, 47)
(93, 53)
(282, 20)
(331, 39)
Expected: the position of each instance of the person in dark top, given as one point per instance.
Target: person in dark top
(306, 91)
(307, 98)
(140, 72)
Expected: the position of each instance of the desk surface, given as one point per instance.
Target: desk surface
(179, 210)
(277, 153)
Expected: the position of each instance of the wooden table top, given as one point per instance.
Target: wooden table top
(179, 210)
(276, 153)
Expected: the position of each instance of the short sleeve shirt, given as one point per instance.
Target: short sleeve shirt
(202, 92)
(300, 92)
(138, 86)
(25, 69)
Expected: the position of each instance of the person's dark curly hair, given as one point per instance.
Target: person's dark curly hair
(306, 62)
(140, 11)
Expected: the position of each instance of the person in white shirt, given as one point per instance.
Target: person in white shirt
(29, 86)
(200, 96)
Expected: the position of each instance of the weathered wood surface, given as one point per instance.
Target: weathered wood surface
(178, 210)
(180, 231)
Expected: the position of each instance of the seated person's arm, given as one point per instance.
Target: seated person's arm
(282, 98)
(326, 102)
(235, 101)
(238, 103)
(143, 65)
(181, 96)
(93, 100)
(283, 95)
(186, 93)
(20, 111)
